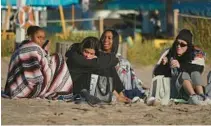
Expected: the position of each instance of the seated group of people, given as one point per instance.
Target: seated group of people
(33, 72)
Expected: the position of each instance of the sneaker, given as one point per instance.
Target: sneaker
(152, 101)
(196, 100)
(207, 100)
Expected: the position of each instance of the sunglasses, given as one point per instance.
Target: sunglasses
(181, 44)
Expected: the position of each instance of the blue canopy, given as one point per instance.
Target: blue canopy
(194, 8)
(41, 2)
(136, 4)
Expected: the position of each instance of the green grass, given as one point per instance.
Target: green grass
(201, 29)
(7, 47)
(147, 54)
(144, 53)
(140, 53)
(74, 37)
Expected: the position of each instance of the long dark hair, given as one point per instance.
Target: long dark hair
(32, 30)
(90, 42)
(115, 38)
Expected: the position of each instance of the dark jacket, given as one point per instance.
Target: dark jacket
(81, 68)
(185, 61)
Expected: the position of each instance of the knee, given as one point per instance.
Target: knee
(184, 78)
(196, 78)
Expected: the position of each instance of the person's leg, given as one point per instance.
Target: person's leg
(188, 87)
(186, 83)
(193, 82)
(121, 97)
(197, 82)
(118, 87)
(83, 82)
(199, 89)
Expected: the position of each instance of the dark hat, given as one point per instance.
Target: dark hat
(185, 35)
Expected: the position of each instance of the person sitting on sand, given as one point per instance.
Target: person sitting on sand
(185, 62)
(84, 59)
(33, 72)
(109, 43)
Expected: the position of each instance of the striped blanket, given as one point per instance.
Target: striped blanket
(33, 73)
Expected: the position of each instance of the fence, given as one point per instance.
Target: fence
(200, 28)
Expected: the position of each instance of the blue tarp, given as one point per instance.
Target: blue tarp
(41, 2)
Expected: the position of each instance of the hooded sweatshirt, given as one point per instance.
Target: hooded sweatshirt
(81, 68)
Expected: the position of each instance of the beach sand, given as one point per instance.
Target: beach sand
(46, 112)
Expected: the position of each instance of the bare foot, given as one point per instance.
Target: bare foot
(123, 99)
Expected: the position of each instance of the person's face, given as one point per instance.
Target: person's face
(108, 41)
(88, 53)
(39, 37)
(181, 47)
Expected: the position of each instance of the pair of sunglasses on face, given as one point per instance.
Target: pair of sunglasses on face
(181, 44)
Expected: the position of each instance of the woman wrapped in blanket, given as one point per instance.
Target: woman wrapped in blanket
(133, 86)
(84, 59)
(185, 62)
(33, 72)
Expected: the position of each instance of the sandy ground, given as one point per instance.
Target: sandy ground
(39, 111)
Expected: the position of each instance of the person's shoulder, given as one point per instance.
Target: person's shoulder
(30, 46)
(121, 58)
(198, 52)
(73, 48)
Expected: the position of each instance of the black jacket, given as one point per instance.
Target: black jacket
(81, 68)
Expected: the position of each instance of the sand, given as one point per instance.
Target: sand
(45, 112)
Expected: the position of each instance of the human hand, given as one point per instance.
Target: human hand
(164, 60)
(46, 45)
(175, 64)
(91, 57)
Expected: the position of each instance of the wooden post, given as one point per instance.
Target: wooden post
(20, 32)
(36, 15)
(62, 47)
(73, 16)
(176, 19)
(6, 22)
(101, 26)
(63, 21)
(124, 49)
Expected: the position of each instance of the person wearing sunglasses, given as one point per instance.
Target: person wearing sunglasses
(184, 62)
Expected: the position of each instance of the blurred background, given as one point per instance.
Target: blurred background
(146, 27)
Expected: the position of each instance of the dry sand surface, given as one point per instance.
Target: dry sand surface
(39, 111)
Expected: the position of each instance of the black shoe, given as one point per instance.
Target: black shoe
(91, 100)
